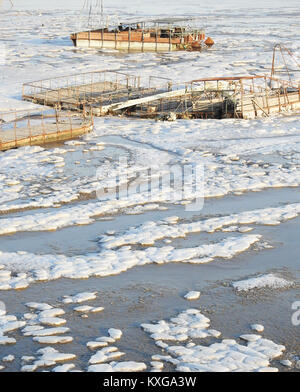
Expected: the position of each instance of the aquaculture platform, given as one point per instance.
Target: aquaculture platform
(244, 97)
(95, 92)
(112, 93)
(38, 127)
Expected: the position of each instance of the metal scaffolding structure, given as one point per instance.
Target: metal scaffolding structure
(94, 92)
(37, 127)
(221, 97)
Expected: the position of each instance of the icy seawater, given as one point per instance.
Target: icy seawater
(107, 262)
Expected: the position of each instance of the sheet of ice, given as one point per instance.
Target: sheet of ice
(27, 358)
(63, 368)
(262, 281)
(4, 340)
(105, 354)
(115, 334)
(105, 339)
(192, 295)
(224, 356)
(129, 366)
(53, 339)
(157, 365)
(36, 331)
(54, 312)
(87, 309)
(50, 267)
(49, 355)
(103, 368)
(149, 232)
(238, 51)
(257, 327)
(39, 306)
(8, 358)
(52, 321)
(94, 345)
(250, 337)
(80, 297)
(286, 362)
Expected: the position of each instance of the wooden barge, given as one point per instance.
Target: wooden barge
(161, 35)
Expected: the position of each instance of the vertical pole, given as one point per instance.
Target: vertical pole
(15, 129)
(242, 97)
(279, 99)
(29, 127)
(129, 38)
(56, 119)
(267, 95)
(43, 126)
(71, 125)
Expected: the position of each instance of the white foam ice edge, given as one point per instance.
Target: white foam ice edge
(149, 232)
(29, 267)
(224, 355)
(262, 281)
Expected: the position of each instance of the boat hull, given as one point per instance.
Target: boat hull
(127, 46)
(138, 41)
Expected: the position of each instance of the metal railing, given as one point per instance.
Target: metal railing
(30, 127)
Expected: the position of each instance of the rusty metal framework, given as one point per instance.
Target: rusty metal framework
(95, 92)
(165, 35)
(37, 127)
(114, 93)
(223, 97)
(283, 51)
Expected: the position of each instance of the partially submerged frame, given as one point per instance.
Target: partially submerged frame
(41, 126)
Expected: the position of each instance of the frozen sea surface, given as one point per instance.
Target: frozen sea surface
(131, 260)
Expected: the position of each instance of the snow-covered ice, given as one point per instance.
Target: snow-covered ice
(224, 356)
(50, 267)
(257, 327)
(79, 298)
(115, 334)
(192, 295)
(46, 189)
(262, 281)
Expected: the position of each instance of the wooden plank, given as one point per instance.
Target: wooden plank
(139, 101)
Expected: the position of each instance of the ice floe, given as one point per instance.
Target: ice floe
(63, 368)
(192, 295)
(86, 309)
(8, 358)
(53, 339)
(257, 327)
(80, 297)
(149, 232)
(115, 334)
(50, 267)
(105, 354)
(221, 356)
(37, 331)
(262, 281)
